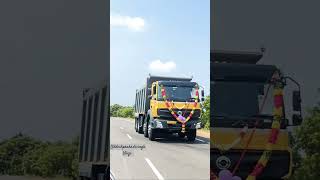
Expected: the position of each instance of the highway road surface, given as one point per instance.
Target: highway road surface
(164, 159)
(5, 177)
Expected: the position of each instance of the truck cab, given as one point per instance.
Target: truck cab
(242, 100)
(161, 101)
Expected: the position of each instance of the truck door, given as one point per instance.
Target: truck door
(153, 101)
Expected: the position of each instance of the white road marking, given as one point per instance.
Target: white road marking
(129, 136)
(154, 169)
(121, 128)
(200, 140)
(112, 175)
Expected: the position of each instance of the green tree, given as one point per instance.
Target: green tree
(307, 145)
(114, 109)
(23, 155)
(12, 152)
(117, 110)
(205, 116)
(126, 112)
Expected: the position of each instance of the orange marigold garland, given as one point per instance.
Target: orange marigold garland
(275, 129)
(180, 118)
(227, 147)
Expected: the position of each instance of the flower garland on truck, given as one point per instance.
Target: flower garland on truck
(273, 135)
(183, 120)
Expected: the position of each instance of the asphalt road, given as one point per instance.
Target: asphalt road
(168, 158)
(4, 177)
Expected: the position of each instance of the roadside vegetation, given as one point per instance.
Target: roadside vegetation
(205, 114)
(306, 146)
(117, 110)
(22, 155)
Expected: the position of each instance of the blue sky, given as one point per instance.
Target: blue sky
(161, 37)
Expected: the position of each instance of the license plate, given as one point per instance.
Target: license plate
(171, 122)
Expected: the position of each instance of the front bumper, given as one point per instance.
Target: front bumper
(278, 166)
(172, 126)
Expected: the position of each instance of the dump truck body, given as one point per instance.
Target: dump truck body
(94, 155)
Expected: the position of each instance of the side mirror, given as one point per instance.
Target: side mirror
(202, 93)
(296, 101)
(202, 99)
(296, 120)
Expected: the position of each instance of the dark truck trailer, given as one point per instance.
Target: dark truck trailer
(143, 110)
(94, 155)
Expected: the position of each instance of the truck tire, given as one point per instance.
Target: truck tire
(83, 178)
(181, 134)
(140, 129)
(101, 176)
(145, 128)
(151, 134)
(191, 135)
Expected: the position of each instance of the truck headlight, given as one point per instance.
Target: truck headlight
(159, 124)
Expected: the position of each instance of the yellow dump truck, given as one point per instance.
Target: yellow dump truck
(166, 105)
(250, 133)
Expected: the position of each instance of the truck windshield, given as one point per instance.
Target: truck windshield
(178, 93)
(240, 100)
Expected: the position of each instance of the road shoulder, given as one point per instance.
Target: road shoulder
(203, 133)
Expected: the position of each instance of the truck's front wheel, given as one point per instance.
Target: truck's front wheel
(191, 134)
(181, 134)
(151, 133)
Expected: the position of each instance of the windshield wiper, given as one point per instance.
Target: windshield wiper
(262, 116)
(240, 122)
(177, 99)
(253, 120)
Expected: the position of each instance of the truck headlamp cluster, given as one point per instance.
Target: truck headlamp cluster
(159, 124)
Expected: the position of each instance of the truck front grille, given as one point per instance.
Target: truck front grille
(165, 113)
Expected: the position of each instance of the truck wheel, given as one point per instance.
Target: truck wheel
(101, 176)
(181, 134)
(140, 129)
(151, 134)
(191, 135)
(145, 128)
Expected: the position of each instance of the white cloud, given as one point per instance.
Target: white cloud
(157, 66)
(132, 23)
